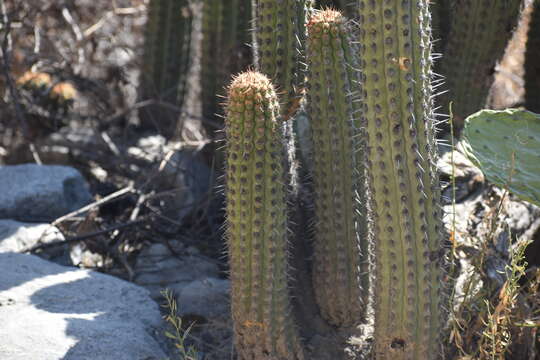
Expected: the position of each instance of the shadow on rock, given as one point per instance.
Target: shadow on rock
(59, 312)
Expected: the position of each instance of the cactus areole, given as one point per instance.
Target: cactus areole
(256, 194)
(395, 38)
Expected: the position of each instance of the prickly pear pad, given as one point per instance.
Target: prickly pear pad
(505, 145)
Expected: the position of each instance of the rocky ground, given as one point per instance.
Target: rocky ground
(114, 215)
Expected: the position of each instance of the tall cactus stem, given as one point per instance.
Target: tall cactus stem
(395, 40)
(166, 61)
(225, 34)
(256, 193)
(279, 33)
(479, 33)
(340, 231)
(532, 61)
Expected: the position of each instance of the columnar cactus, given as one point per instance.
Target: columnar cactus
(339, 270)
(479, 32)
(165, 62)
(505, 145)
(279, 33)
(395, 41)
(225, 34)
(532, 61)
(256, 193)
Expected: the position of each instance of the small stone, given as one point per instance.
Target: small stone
(208, 298)
(158, 269)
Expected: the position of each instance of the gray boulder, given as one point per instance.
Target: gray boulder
(52, 312)
(38, 193)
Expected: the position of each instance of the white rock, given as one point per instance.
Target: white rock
(16, 236)
(52, 312)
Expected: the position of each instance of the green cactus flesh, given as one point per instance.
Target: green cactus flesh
(404, 196)
(532, 62)
(257, 221)
(505, 145)
(225, 34)
(165, 61)
(280, 30)
(340, 229)
(479, 32)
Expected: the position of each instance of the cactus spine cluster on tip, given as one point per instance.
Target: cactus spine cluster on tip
(340, 230)
(395, 38)
(225, 34)
(348, 8)
(505, 145)
(479, 32)
(279, 33)
(165, 61)
(256, 193)
(532, 61)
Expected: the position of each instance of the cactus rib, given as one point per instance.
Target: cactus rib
(257, 221)
(340, 229)
(395, 42)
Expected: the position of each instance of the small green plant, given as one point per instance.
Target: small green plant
(178, 334)
(497, 335)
